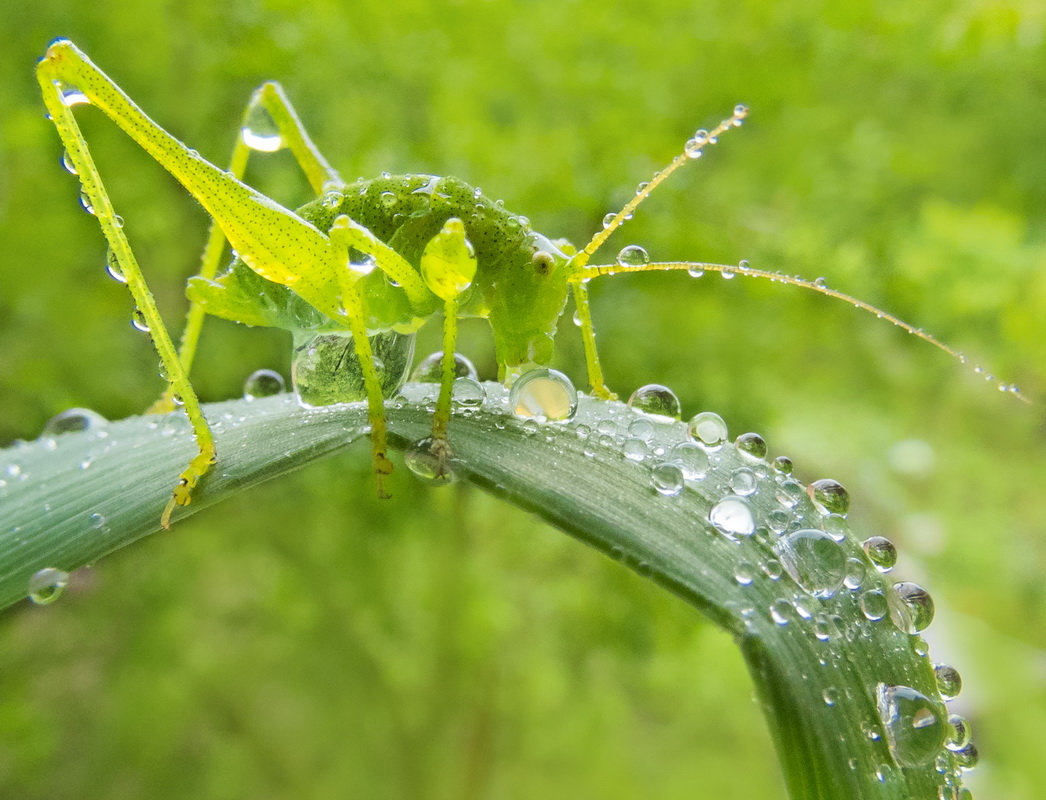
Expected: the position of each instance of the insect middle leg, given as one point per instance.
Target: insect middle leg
(270, 103)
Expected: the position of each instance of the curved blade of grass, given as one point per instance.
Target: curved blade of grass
(818, 663)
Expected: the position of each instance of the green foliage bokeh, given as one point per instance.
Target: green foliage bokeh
(307, 640)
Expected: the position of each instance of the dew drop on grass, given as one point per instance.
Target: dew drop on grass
(467, 392)
(744, 573)
(914, 724)
(543, 394)
(916, 609)
(830, 495)
(874, 605)
(657, 401)
(958, 732)
(751, 445)
(112, 266)
(86, 204)
(641, 429)
(430, 368)
(431, 461)
(783, 464)
(967, 756)
(635, 449)
(138, 321)
(949, 681)
(259, 131)
(743, 482)
(707, 428)
(814, 560)
(668, 479)
(692, 460)
(633, 256)
(880, 552)
(46, 585)
(263, 383)
(67, 163)
(732, 516)
(74, 420)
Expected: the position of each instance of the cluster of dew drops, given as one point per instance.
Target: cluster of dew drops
(917, 729)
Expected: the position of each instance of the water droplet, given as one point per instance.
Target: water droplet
(855, 574)
(772, 569)
(656, 400)
(68, 164)
(915, 727)
(74, 420)
(782, 464)
(543, 394)
(778, 520)
(918, 604)
(874, 605)
(85, 203)
(781, 611)
(732, 516)
(751, 445)
(635, 449)
(880, 552)
(967, 756)
(814, 560)
(959, 732)
(430, 369)
(707, 428)
(740, 112)
(743, 482)
(467, 392)
(789, 493)
(667, 479)
(46, 585)
(633, 256)
(138, 321)
(744, 573)
(695, 272)
(727, 275)
(71, 95)
(608, 219)
(431, 461)
(641, 429)
(830, 495)
(949, 681)
(263, 383)
(333, 200)
(692, 460)
(259, 130)
(831, 696)
(97, 521)
(112, 266)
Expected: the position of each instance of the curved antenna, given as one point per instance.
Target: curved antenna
(694, 149)
(696, 268)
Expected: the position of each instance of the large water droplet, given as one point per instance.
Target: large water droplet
(667, 479)
(967, 755)
(74, 420)
(467, 392)
(830, 495)
(783, 464)
(431, 461)
(949, 681)
(46, 585)
(751, 445)
(874, 605)
(656, 400)
(958, 733)
(633, 256)
(915, 727)
(430, 368)
(814, 560)
(917, 605)
(543, 394)
(880, 552)
(732, 516)
(707, 428)
(112, 266)
(260, 131)
(692, 459)
(263, 383)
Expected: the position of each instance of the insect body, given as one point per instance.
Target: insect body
(365, 264)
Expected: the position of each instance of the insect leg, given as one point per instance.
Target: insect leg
(58, 101)
(588, 338)
(268, 99)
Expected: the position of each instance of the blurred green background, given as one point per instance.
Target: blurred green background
(306, 640)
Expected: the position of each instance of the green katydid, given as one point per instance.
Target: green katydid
(370, 260)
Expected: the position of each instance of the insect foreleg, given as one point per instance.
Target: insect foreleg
(97, 201)
(588, 339)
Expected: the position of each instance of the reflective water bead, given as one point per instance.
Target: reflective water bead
(918, 603)
(263, 383)
(915, 727)
(86, 204)
(138, 321)
(855, 574)
(667, 479)
(67, 163)
(71, 95)
(608, 219)
(880, 552)
(707, 428)
(431, 461)
(782, 464)
(259, 131)
(781, 611)
(430, 368)
(959, 733)
(830, 495)
(814, 560)
(752, 445)
(967, 756)
(744, 573)
(692, 459)
(635, 449)
(641, 429)
(695, 272)
(112, 266)
(732, 516)
(656, 400)
(633, 256)
(789, 493)
(742, 482)
(778, 520)
(831, 696)
(74, 420)
(543, 394)
(772, 569)
(467, 392)
(46, 585)
(949, 681)
(874, 605)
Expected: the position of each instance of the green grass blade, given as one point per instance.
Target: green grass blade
(818, 662)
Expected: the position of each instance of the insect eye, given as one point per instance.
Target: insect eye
(542, 262)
